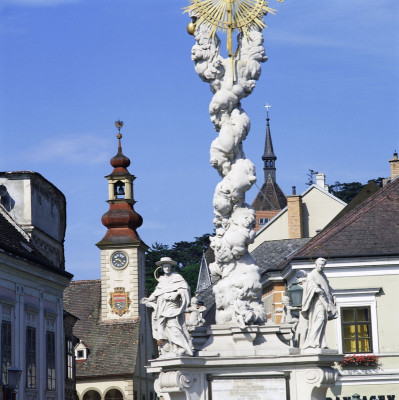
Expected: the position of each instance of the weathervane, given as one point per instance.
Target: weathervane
(119, 125)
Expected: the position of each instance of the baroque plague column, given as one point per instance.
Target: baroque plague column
(242, 357)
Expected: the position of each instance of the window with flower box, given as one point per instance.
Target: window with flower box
(356, 330)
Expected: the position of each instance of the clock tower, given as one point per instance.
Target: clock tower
(122, 250)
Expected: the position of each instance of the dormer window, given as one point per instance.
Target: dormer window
(263, 221)
(81, 351)
(119, 190)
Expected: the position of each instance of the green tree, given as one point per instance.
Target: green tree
(347, 191)
(187, 254)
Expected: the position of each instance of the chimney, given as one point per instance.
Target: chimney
(294, 205)
(321, 180)
(394, 165)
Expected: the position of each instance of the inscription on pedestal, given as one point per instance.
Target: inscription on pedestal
(242, 388)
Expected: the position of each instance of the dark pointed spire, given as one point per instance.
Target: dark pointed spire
(269, 158)
(204, 278)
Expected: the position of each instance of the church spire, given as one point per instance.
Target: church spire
(269, 158)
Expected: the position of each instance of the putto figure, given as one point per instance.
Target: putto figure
(194, 314)
(318, 306)
(169, 301)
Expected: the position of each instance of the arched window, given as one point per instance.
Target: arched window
(92, 395)
(114, 394)
(119, 190)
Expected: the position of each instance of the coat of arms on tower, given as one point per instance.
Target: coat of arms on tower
(119, 301)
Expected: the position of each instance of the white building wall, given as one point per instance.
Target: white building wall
(29, 289)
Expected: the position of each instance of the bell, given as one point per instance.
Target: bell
(120, 191)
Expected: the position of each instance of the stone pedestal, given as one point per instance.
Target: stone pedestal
(254, 363)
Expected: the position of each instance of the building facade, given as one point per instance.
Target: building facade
(33, 278)
(362, 252)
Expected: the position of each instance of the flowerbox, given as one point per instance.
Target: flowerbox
(369, 360)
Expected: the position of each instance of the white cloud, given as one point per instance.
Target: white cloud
(88, 148)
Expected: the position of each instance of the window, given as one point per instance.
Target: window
(355, 337)
(81, 351)
(356, 330)
(50, 360)
(5, 349)
(30, 357)
(263, 221)
(69, 358)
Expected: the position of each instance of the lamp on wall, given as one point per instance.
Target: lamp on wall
(13, 377)
(295, 293)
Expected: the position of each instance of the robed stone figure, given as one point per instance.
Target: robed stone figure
(318, 306)
(169, 301)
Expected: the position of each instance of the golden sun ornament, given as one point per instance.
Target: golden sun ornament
(228, 15)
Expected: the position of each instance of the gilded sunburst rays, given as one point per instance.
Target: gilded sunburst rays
(227, 15)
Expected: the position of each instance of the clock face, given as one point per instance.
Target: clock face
(119, 259)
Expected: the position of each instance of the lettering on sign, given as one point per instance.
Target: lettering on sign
(378, 397)
(251, 388)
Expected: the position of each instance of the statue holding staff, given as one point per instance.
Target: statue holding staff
(169, 301)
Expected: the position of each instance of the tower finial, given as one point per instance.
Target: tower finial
(119, 125)
(267, 106)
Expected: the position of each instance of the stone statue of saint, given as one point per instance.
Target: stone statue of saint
(169, 301)
(318, 306)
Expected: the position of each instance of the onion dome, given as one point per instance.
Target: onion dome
(122, 215)
(120, 162)
(122, 221)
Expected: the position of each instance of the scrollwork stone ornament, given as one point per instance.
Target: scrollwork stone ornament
(238, 293)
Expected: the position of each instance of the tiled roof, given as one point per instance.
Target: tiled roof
(113, 346)
(208, 298)
(370, 229)
(271, 253)
(15, 243)
(270, 197)
(364, 194)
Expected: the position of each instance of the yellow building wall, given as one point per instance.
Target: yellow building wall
(318, 209)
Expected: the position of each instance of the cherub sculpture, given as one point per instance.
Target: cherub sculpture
(194, 314)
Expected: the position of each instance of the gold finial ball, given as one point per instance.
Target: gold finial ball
(191, 28)
(119, 136)
(119, 124)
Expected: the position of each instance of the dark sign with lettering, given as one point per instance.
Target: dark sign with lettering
(378, 397)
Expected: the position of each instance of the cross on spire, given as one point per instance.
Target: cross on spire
(267, 106)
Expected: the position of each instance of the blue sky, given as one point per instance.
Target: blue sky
(70, 68)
